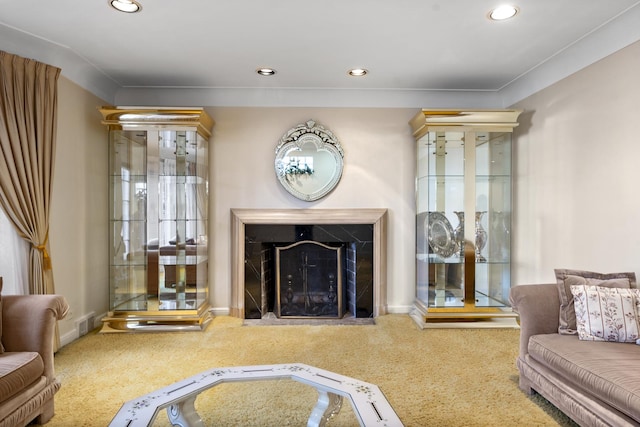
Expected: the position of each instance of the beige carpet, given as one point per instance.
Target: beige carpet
(436, 377)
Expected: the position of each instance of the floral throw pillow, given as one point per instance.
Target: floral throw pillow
(606, 314)
(566, 278)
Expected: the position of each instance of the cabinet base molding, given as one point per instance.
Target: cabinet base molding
(460, 318)
(191, 320)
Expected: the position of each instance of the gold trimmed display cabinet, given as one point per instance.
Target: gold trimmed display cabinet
(158, 218)
(463, 206)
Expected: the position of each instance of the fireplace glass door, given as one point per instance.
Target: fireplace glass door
(309, 280)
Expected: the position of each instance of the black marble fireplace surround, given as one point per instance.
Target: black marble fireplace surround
(359, 232)
(261, 287)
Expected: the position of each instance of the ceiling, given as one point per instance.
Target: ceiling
(409, 46)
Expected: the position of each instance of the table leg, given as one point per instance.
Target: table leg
(183, 414)
(328, 405)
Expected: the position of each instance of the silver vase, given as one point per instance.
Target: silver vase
(500, 236)
(458, 233)
(481, 237)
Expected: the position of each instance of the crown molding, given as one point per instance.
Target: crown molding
(617, 34)
(609, 38)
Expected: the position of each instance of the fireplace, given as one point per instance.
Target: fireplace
(357, 237)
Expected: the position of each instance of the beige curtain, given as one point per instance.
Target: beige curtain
(28, 109)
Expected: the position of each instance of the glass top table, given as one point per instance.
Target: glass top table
(369, 404)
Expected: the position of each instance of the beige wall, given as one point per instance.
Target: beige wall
(78, 231)
(576, 173)
(575, 200)
(378, 173)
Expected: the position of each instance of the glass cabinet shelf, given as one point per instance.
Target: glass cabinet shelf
(158, 193)
(463, 213)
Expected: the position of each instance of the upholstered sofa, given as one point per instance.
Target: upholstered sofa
(596, 383)
(27, 380)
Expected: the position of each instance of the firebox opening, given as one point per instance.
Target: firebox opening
(322, 271)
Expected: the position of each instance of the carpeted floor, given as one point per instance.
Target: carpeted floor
(435, 377)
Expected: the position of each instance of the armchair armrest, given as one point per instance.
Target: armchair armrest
(539, 309)
(28, 324)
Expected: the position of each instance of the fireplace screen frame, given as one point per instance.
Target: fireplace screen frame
(310, 300)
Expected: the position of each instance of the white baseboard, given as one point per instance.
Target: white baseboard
(69, 337)
(220, 311)
(399, 309)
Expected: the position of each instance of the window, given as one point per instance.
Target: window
(13, 259)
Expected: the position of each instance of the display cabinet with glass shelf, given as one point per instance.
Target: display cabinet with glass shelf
(158, 198)
(463, 205)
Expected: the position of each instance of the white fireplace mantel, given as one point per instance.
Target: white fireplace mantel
(375, 217)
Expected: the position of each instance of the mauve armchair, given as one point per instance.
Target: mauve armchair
(27, 376)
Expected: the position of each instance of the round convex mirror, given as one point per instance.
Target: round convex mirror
(309, 161)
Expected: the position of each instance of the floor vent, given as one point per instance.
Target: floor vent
(85, 324)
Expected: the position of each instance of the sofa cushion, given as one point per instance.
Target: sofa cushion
(17, 371)
(566, 278)
(607, 370)
(606, 314)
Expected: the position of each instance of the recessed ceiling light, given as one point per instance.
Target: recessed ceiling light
(503, 12)
(266, 71)
(128, 6)
(357, 72)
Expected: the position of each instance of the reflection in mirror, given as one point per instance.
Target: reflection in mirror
(309, 161)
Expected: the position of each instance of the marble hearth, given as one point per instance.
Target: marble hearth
(255, 232)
